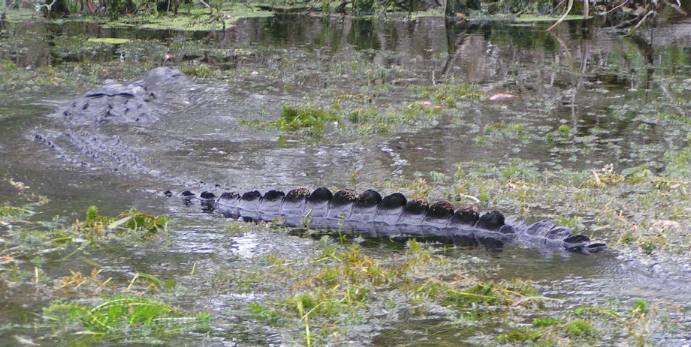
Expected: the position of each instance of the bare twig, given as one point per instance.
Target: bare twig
(566, 13)
(676, 7)
(640, 22)
(617, 7)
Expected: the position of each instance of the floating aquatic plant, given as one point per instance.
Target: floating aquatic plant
(97, 225)
(123, 316)
(305, 117)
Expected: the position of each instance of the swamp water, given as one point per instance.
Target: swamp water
(416, 115)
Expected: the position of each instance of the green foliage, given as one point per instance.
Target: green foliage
(679, 163)
(479, 293)
(637, 174)
(648, 246)
(363, 7)
(124, 316)
(7, 66)
(265, 314)
(519, 335)
(305, 117)
(675, 117)
(449, 94)
(585, 311)
(96, 225)
(361, 115)
(544, 322)
(640, 307)
(415, 109)
(564, 130)
(10, 212)
(573, 222)
(201, 71)
(580, 328)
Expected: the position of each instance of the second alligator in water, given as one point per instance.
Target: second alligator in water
(394, 217)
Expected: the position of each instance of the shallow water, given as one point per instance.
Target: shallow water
(605, 87)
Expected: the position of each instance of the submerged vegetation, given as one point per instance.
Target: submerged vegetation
(128, 314)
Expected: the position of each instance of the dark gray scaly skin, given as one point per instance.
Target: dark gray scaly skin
(393, 217)
(89, 135)
(140, 101)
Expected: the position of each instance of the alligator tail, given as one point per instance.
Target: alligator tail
(395, 217)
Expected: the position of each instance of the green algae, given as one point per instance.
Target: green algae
(540, 19)
(197, 19)
(108, 40)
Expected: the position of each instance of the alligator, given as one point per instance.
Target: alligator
(88, 129)
(141, 101)
(92, 119)
(393, 217)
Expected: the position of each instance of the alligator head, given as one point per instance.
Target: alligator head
(141, 101)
